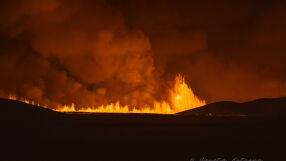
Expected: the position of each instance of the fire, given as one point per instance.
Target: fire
(181, 97)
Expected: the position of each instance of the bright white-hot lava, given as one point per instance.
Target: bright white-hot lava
(181, 97)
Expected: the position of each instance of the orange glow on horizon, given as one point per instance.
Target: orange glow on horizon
(181, 98)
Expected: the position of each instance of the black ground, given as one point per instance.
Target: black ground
(34, 133)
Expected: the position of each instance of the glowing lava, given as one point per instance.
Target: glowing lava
(181, 97)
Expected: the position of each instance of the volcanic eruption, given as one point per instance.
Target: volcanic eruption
(84, 58)
(181, 98)
(83, 55)
(142, 80)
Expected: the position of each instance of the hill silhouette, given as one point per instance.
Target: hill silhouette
(34, 133)
(259, 107)
(17, 110)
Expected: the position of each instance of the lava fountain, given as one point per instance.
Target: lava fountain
(181, 98)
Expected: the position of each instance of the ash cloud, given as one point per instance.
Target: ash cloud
(95, 52)
(76, 51)
(228, 50)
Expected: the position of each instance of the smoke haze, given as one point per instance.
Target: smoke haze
(97, 52)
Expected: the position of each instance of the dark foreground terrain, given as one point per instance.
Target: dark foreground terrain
(34, 133)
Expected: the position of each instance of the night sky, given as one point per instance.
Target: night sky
(94, 52)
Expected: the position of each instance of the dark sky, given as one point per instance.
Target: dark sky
(94, 52)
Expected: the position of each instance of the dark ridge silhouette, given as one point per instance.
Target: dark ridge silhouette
(259, 107)
(18, 106)
(17, 110)
(34, 133)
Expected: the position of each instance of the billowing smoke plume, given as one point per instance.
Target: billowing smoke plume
(228, 50)
(94, 52)
(73, 51)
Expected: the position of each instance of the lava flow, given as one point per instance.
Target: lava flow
(181, 98)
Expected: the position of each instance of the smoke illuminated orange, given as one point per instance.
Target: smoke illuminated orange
(181, 98)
